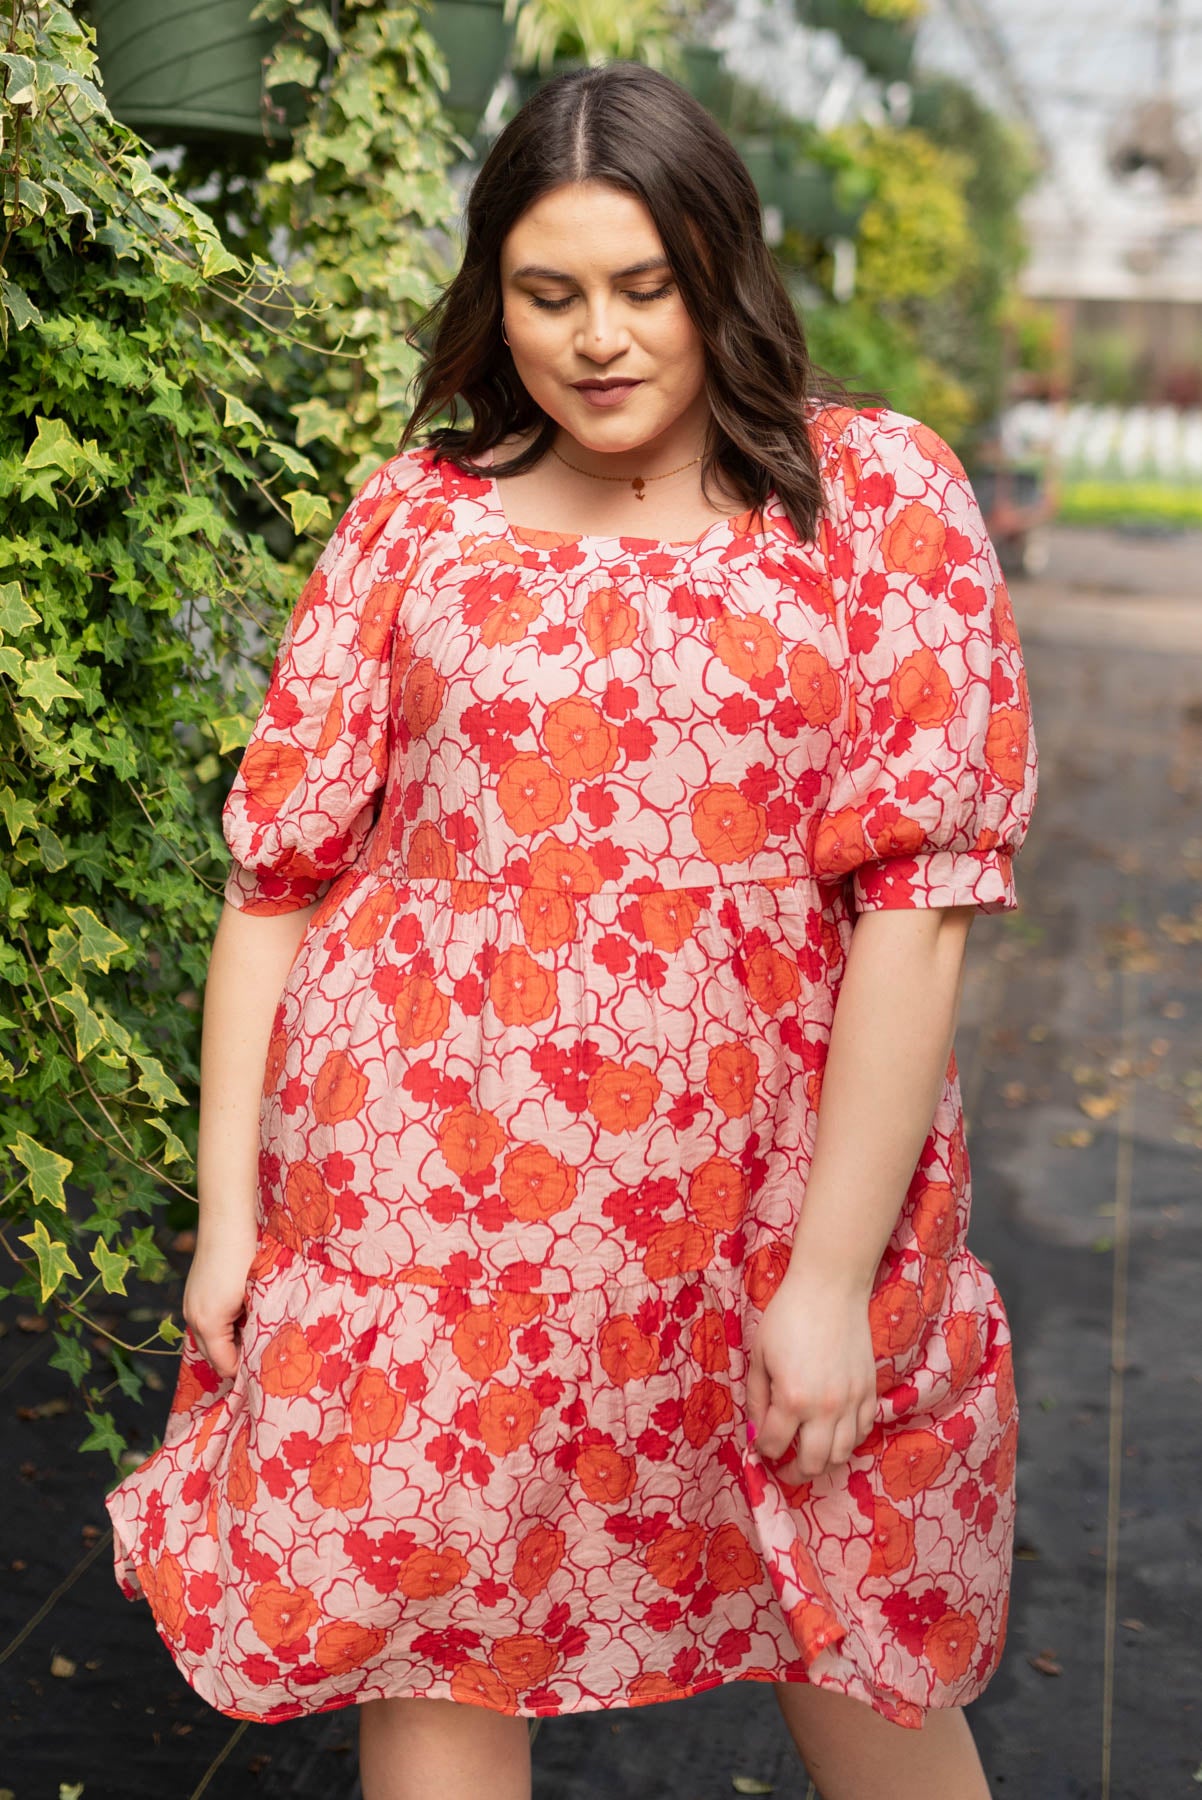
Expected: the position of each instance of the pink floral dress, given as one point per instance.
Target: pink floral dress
(588, 822)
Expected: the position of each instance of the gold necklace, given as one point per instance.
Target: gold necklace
(637, 482)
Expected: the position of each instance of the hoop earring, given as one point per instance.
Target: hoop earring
(504, 339)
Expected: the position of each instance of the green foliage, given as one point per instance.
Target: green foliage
(595, 31)
(1130, 503)
(155, 381)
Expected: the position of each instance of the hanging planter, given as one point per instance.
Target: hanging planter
(813, 203)
(189, 70)
(475, 38)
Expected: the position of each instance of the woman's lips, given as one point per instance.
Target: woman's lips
(608, 396)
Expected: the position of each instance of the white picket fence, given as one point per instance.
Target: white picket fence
(1133, 443)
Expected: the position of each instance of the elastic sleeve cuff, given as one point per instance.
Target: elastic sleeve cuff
(980, 878)
(266, 894)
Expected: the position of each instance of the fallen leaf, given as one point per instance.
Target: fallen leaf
(1098, 1106)
(1026, 1553)
(1046, 1663)
(70, 1790)
(61, 1665)
(1077, 1139)
(45, 1409)
(748, 1784)
(1132, 1624)
(32, 1322)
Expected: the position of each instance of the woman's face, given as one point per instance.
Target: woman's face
(588, 296)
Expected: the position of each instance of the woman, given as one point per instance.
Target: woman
(614, 739)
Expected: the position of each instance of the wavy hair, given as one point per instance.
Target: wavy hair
(639, 131)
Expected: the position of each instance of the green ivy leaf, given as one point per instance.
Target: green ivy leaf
(305, 507)
(169, 1331)
(43, 683)
(104, 1436)
(21, 88)
(19, 814)
(232, 733)
(47, 1170)
(20, 307)
(97, 944)
(89, 1027)
(174, 1150)
(113, 1266)
(155, 1082)
(71, 1355)
(54, 1260)
(16, 614)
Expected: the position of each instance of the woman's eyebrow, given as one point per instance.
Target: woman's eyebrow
(639, 268)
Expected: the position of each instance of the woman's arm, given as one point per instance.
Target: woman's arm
(251, 956)
(812, 1364)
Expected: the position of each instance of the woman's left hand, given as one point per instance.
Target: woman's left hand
(812, 1375)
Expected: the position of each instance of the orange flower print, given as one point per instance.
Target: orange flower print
(339, 1089)
(913, 541)
(815, 1627)
(510, 619)
(718, 1193)
(1003, 1380)
(962, 1336)
(163, 1585)
(707, 1406)
(524, 1658)
(548, 919)
(521, 990)
(707, 1341)
(935, 450)
(627, 1354)
(610, 622)
(475, 1684)
(1007, 1453)
(242, 1484)
(429, 856)
(338, 1479)
(426, 1573)
(674, 1554)
(604, 1475)
(422, 697)
(732, 1071)
(376, 1408)
(568, 868)
(919, 689)
(892, 1539)
(1006, 745)
(727, 827)
(332, 725)
(421, 1011)
(668, 918)
(933, 1217)
(730, 1562)
(764, 1271)
(535, 1184)
(645, 1689)
(772, 979)
(379, 611)
(507, 1417)
(539, 1553)
(481, 1342)
(289, 1366)
(531, 794)
(949, 1644)
(579, 739)
(814, 685)
(470, 1138)
(677, 1248)
(280, 1614)
(342, 1645)
(912, 1461)
(308, 1210)
(368, 923)
(837, 843)
(895, 1316)
(747, 644)
(622, 1096)
(277, 1054)
(270, 772)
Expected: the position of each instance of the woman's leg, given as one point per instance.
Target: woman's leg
(411, 1748)
(853, 1753)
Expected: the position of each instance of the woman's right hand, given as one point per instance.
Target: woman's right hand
(216, 1288)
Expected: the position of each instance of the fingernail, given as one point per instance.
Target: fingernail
(750, 1432)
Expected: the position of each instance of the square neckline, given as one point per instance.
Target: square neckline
(733, 525)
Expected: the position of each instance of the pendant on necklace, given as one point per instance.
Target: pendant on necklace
(638, 484)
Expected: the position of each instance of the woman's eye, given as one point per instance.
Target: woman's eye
(637, 294)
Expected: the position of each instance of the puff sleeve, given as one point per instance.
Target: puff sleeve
(937, 783)
(307, 790)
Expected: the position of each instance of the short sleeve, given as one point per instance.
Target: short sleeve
(938, 776)
(307, 790)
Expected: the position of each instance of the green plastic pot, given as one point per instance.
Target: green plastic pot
(183, 70)
(475, 38)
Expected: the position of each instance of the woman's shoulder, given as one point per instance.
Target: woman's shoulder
(849, 437)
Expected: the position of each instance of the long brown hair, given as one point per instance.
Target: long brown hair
(640, 131)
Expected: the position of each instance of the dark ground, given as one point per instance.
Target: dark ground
(1080, 1050)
